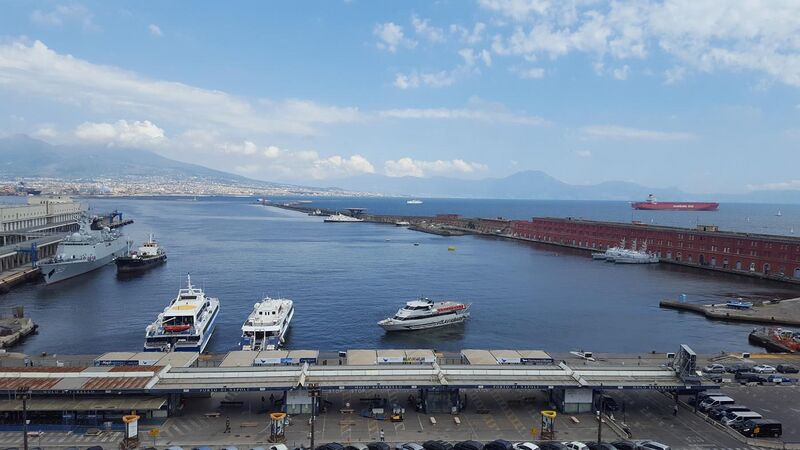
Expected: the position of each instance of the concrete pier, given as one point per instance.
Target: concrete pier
(783, 312)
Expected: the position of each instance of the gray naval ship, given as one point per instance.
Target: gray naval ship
(82, 252)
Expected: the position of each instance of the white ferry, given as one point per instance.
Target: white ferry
(266, 326)
(425, 313)
(339, 217)
(186, 324)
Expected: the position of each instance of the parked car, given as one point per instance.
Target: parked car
(410, 446)
(787, 368)
(761, 428)
(749, 377)
(700, 397)
(712, 402)
(437, 445)
(553, 446)
(652, 445)
(600, 446)
(776, 378)
(720, 412)
(227, 447)
(735, 417)
(525, 446)
(714, 368)
(499, 444)
(468, 445)
(738, 367)
(330, 446)
(357, 447)
(378, 446)
(764, 368)
(625, 445)
(575, 445)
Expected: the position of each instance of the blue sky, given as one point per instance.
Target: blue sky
(698, 94)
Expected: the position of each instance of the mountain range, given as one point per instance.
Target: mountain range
(26, 157)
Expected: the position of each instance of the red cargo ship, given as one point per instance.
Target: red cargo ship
(652, 204)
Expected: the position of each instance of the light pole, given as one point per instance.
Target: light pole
(600, 418)
(24, 393)
(313, 391)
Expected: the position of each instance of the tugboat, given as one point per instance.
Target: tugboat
(149, 255)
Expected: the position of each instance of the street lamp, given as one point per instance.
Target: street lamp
(24, 393)
(313, 391)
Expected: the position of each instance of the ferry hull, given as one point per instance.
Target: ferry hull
(127, 264)
(55, 272)
(676, 206)
(422, 324)
(198, 347)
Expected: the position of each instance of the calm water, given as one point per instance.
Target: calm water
(345, 277)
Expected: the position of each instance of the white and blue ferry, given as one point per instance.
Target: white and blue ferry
(186, 324)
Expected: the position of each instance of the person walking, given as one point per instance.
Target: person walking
(383, 436)
(675, 410)
(227, 425)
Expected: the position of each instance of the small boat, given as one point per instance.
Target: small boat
(176, 328)
(402, 223)
(414, 202)
(317, 212)
(451, 249)
(416, 244)
(424, 313)
(778, 213)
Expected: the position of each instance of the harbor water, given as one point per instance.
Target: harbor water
(344, 277)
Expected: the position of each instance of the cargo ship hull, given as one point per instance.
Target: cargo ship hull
(676, 206)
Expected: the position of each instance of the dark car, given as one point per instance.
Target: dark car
(499, 444)
(787, 368)
(625, 445)
(739, 367)
(749, 377)
(553, 446)
(330, 446)
(378, 446)
(601, 446)
(761, 428)
(437, 445)
(468, 445)
(719, 412)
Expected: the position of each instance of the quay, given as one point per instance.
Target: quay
(705, 247)
(783, 312)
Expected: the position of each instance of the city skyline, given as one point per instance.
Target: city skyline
(657, 93)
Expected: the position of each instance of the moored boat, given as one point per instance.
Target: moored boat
(266, 326)
(339, 217)
(186, 325)
(424, 313)
(149, 255)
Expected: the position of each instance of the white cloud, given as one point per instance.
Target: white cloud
(408, 167)
(625, 133)
(427, 79)
(424, 29)
(122, 133)
(528, 73)
(46, 132)
(486, 57)
(584, 153)
(391, 37)
(759, 36)
(621, 73)
(498, 116)
(468, 36)
(64, 14)
(35, 69)
(155, 30)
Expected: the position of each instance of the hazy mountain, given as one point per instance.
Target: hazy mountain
(25, 157)
(529, 184)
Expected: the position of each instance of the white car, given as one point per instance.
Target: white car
(652, 445)
(763, 368)
(714, 368)
(575, 445)
(525, 446)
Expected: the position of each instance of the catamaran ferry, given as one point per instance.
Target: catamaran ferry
(186, 324)
(266, 326)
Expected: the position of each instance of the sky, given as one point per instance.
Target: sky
(703, 95)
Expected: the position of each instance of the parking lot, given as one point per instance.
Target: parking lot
(781, 403)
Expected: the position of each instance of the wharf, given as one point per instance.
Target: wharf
(783, 312)
(12, 330)
(14, 277)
